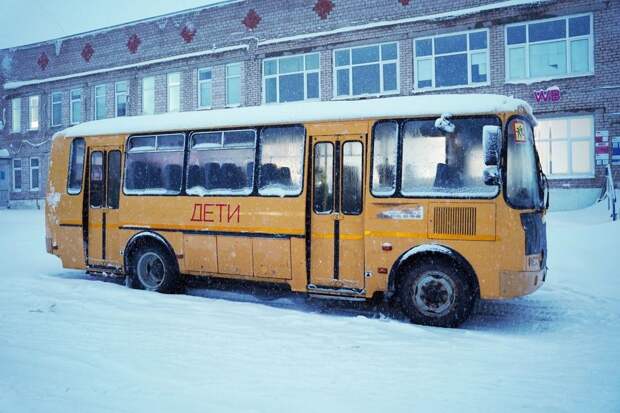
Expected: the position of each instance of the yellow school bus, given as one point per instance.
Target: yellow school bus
(434, 201)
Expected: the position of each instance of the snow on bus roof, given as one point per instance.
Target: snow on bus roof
(301, 112)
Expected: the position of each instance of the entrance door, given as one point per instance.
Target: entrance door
(104, 185)
(337, 226)
(4, 183)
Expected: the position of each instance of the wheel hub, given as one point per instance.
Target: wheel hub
(434, 294)
(151, 270)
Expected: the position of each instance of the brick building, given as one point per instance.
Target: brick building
(561, 56)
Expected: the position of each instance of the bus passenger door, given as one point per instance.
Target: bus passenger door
(104, 185)
(337, 226)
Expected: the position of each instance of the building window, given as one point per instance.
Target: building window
(174, 92)
(148, 95)
(366, 70)
(16, 115)
(291, 78)
(566, 146)
(33, 112)
(56, 118)
(101, 110)
(550, 48)
(35, 174)
(121, 97)
(204, 88)
(76, 106)
(452, 60)
(17, 175)
(233, 84)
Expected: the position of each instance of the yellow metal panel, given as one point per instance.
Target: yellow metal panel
(234, 255)
(272, 257)
(200, 253)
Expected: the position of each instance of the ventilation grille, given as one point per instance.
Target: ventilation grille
(454, 220)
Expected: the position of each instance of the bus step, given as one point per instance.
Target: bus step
(351, 294)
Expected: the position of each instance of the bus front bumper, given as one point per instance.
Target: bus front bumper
(519, 283)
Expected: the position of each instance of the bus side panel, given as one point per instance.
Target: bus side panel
(63, 211)
(200, 253)
(272, 257)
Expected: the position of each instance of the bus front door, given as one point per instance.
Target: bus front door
(104, 185)
(337, 225)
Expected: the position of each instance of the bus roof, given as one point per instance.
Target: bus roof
(302, 112)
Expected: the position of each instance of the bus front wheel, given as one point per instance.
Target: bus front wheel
(436, 293)
(153, 269)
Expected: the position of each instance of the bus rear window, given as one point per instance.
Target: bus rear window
(76, 167)
(282, 161)
(154, 165)
(221, 163)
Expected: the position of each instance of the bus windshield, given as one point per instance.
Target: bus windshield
(523, 175)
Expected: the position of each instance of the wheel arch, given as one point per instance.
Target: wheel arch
(423, 251)
(144, 238)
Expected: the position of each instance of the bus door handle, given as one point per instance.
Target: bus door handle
(337, 216)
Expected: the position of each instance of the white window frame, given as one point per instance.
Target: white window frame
(351, 65)
(305, 72)
(432, 56)
(173, 84)
(569, 140)
(16, 115)
(34, 107)
(144, 97)
(54, 103)
(228, 77)
(200, 83)
(71, 101)
(38, 171)
(105, 97)
(117, 94)
(21, 176)
(567, 40)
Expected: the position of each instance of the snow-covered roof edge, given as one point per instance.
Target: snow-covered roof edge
(394, 107)
(385, 23)
(106, 29)
(17, 84)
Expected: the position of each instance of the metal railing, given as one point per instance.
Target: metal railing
(609, 192)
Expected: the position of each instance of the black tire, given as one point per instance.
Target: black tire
(153, 268)
(436, 293)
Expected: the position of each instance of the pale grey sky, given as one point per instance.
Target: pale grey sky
(30, 21)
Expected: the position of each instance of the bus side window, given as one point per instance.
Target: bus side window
(76, 167)
(96, 180)
(282, 161)
(221, 163)
(385, 146)
(114, 178)
(154, 165)
(323, 177)
(352, 165)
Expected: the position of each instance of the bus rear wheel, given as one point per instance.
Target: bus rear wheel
(436, 293)
(153, 269)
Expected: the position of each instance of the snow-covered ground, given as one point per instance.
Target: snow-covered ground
(72, 343)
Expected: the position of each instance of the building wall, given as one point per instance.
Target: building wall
(221, 38)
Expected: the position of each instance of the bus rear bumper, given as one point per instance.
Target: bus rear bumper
(519, 283)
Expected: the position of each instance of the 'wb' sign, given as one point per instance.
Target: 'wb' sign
(551, 94)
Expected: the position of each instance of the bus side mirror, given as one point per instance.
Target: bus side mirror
(491, 175)
(491, 141)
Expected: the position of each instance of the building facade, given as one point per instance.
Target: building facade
(559, 55)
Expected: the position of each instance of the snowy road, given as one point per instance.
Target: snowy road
(69, 342)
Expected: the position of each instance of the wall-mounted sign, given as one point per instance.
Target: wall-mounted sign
(551, 94)
(601, 147)
(615, 150)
